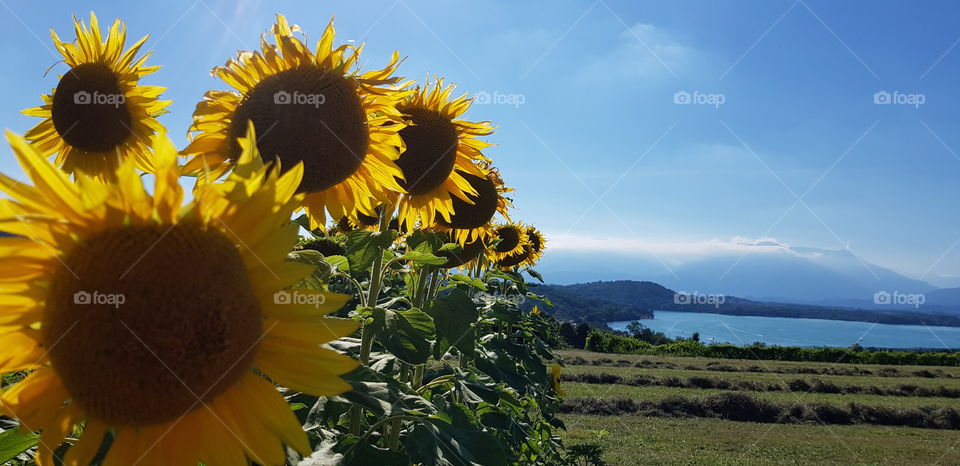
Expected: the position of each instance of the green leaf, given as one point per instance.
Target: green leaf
(407, 334)
(318, 279)
(297, 406)
(426, 241)
(383, 395)
(14, 442)
(337, 263)
(303, 221)
(541, 298)
(359, 452)
(423, 258)
(364, 246)
(452, 439)
(514, 277)
(535, 274)
(470, 281)
(454, 316)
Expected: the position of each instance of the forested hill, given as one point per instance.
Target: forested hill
(642, 295)
(578, 308)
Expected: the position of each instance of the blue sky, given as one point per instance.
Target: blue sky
(584, 93)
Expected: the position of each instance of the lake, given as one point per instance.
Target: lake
(785, 331)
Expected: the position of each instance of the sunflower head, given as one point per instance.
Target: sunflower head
(538, 243)
(555, 372)
(310, 107)
(325, 246)
(465, 255)
(155, 320)
(511, 238)
(99, 114)
(470, 221)
(442, 153)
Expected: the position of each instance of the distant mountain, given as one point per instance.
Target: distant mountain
(577, 307)
(761, 271)
(656, 297)
(948, 297)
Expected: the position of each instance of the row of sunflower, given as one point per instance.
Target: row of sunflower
(387, 324)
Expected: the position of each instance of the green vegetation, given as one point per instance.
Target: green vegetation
(631, 440)
(595, 310)
(651, 409)
(802, 385)
(587, 358)
(606, 342)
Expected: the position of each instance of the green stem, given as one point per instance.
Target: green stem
(420, 292)
(417, 376)
(393, 441)
(434, 286)
(373, 295)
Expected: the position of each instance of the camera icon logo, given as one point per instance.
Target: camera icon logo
(681, 297)
(281, 98)
(881, 297)
(482, 97)
(81, 297)
(81, 98)
(282, 297)
(682, 98)
(881, 98)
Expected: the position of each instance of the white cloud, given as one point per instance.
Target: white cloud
(674, 252)
(642, 51)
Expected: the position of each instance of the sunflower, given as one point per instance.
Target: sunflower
(441, 151)
(325, 246)
(528, 255)
(310, 107)
(465, 255)
(159, 323)
(99, 115)
(512, 240)
(555, 372)
(471, 221)
(537, 244)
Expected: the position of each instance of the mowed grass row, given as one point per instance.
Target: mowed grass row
(768, 378)
(584, 390)
(634, 440)
(754, 366)
(660, 434)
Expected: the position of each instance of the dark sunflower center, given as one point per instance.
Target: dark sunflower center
(145, 322)
(367, 220)
(514, 260)
(534, 241)
(310, 115)
(467, 253)
(431, 150)
(467, 216)
(325, 246)
(89, 109)
(509, 239)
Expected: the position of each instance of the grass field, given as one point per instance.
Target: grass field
(642, 439)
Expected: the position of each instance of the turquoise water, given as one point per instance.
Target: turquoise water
(784, 331)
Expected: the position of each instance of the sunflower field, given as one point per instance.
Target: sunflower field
(326, 273)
